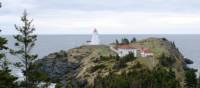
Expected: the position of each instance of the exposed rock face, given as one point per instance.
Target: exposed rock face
(75, 64)
(63, 65)
(55, 65)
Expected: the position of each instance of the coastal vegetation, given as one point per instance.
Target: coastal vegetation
(166, 61)
(6, 79)
(144, 78)
(25, 42)
(121, 62)
(198, 86)
(98, 66)
(191, 78)
(125, 41)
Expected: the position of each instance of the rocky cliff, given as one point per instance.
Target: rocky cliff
(82, 65)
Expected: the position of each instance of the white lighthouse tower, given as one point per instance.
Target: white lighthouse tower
(95, 38)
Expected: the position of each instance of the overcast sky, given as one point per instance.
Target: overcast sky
(108, 16)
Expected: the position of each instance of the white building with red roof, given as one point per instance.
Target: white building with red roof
(124, 50)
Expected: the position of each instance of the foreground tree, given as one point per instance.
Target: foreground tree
(25, 43)
(6, 79)
(191, 78)
(198, 86)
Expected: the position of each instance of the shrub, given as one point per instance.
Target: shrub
(157, 78)
(129, 57)
(124, 41)
(166, 61)
(96, 67)
(188, 61)
(121, 63)
(191, 78)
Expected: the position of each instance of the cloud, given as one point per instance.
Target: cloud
(108, 16)
(117, 22)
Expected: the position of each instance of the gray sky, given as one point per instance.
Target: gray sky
(108, 16)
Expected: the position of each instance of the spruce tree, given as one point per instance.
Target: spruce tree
(25, 43)
(0, 5)
(133, 40)
(6, 79)
(198, 86)
(191, 78)
(116, 42)
(125, 41)
(3, 60)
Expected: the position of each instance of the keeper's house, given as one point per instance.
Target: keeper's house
(123, 50)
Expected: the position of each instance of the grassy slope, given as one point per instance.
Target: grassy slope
(158, 47)
(93, 53)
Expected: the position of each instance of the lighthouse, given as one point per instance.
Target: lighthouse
(95, 38)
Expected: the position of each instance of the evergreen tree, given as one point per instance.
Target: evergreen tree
(117, 42)
(133, 40)
(191, 78)
(3, 60)
(124, 41)
(6, 79)
(198, 86)
(0, 5)
(144, 78)
(25, 43)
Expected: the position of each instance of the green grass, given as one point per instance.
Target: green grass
(148, 62)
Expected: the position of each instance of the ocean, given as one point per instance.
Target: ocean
(189, 45)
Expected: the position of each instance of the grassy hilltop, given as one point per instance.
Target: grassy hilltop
(98, 66)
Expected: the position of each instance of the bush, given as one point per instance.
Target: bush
(7, 80)
(166, 61)
(129, 57)
(157, 78)
(107, 58)
(95, 68)
(58, 85)
(198, 86)
(164, 39)
(190, 78)
(188, 61)
(133, 40)
(121, 63)
(124, 41)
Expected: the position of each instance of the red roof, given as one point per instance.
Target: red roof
(145, 50)
(142, 49)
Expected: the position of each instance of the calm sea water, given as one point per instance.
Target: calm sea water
(189, 45)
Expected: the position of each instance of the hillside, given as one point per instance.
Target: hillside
(82, 66)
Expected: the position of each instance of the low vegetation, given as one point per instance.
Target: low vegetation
(121, 61)
(96, 67)
(166, 61)
(157, 78)
(191, 78)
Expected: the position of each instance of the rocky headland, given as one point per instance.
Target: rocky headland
(81, 66)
